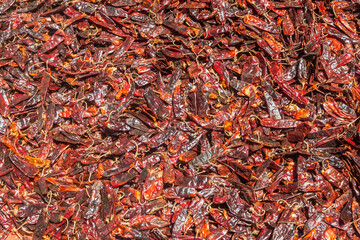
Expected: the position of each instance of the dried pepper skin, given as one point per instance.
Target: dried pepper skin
(156, 104)
(41, 225)
(207, 119)
(25, 167)
(6, 5)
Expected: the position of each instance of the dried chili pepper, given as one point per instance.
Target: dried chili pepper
(207, 119)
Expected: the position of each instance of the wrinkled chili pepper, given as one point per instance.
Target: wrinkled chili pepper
(206, 119)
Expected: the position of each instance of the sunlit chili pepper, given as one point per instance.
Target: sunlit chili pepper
(207, 119)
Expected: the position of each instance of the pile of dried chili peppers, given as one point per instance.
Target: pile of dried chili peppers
(179, 119)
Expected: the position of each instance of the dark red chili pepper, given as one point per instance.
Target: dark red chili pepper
(206, 119)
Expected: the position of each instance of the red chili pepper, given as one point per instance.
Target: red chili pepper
(205, 119)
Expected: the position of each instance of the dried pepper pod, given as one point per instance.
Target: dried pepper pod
(206, 119)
